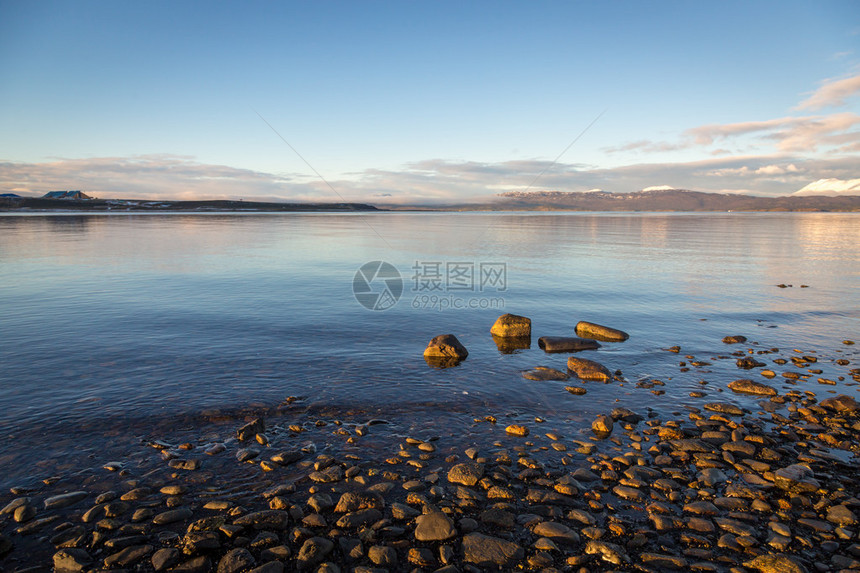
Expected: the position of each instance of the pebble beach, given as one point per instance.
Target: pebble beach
(718, 487)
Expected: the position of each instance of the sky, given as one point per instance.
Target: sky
(412, 102)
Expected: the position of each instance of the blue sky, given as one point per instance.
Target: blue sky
(426, 101)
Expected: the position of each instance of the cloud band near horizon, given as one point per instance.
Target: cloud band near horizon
(160, 177)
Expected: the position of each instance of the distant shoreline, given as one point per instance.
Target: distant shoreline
(29, 204)
(673, 201)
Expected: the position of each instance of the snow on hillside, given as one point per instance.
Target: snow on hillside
(831, 187)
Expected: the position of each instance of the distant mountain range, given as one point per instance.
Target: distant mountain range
(662, 199)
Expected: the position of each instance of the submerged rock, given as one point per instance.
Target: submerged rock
(744, 386)
(566, 344)
(588, 369)
(735, 339)
(509, 345)
(543, 373)
(512, 326)
(251, 429)
(600, 332)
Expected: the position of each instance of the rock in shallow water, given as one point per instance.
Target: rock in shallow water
(744, 386)
(600, 332)
(444, 351)
(543, 373)
(552, 344)
(588, 369)
(602, 425)
(512, 326)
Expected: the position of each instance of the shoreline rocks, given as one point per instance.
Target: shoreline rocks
(766, 484)
(552, 344)
(600, 332)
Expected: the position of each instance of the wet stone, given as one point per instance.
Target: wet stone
(172, 516)
(71, 560)
(165, 558)
(557, 532)
(724, 408)
(488, 551)
(359, 518)
(313, 552)
(744, 386)
(128, 556)
(600, 332)
(606, 551)
(434, 526)
(796, 478)
(542, 373)
(776, 563)
(235, 561)
(446, 346)
(267, 519)
(251, 429)
(602, 425)
(466, 473)
(382, 556)
(841, 515)
(65, 500)
(517, 430)
(354, 501)
(588, 369)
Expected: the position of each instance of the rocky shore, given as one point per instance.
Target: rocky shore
(720, 488)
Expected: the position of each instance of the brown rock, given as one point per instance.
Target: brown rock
(551, 344)
(512, 326)
(744, 386)
(445, 350)
(588, 369)
(488, 551)
(599, 332)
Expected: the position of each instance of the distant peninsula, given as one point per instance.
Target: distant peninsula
(122, 205)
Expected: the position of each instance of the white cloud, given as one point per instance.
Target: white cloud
(806, 133)
(831, 187)
(832, 93)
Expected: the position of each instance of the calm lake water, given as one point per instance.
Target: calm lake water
(112, 325)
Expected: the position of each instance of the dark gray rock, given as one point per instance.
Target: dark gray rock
(236, 560)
